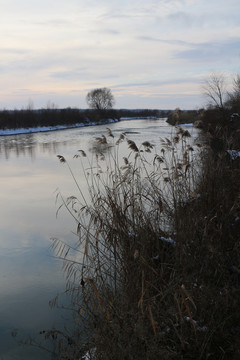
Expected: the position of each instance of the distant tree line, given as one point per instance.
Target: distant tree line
(43, 117)
(14, 119)
(100, 102)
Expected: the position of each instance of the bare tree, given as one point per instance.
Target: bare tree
(100, 99)
(30, 105)
(236, 84)
(234, 96)
(215, 89)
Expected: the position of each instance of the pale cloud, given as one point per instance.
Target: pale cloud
(164, 41)
(213, 51)
(60, 48)
(159, 83)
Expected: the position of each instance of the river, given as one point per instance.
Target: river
(31, 175)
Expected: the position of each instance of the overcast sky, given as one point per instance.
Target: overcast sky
(151, 54)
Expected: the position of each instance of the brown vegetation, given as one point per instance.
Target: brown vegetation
(155, 269)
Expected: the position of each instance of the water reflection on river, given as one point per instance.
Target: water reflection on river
(30, 173)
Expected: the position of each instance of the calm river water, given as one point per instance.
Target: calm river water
(30, 276)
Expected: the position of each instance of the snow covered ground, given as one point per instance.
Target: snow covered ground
(138, 117)
(190, 124)
(234, 154)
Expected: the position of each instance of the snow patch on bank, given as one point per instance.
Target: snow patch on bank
(190, 124)
(168, 240)
(234, 154)
(139, 118)
(90, 355)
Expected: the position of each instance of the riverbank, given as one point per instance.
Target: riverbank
(167, 225)
(50, 128)
(38, 129)
(55, 119)
(165, 237)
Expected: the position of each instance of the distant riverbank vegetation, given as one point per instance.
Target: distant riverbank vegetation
(29, 118)
(100, 102)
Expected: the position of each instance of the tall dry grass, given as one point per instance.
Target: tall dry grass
(154, 272)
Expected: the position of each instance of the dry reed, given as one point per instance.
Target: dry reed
(154, 272)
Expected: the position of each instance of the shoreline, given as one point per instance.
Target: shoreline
(34, 130)
(39, 129)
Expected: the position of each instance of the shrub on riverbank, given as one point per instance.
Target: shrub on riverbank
(155, 270)
(178, 117)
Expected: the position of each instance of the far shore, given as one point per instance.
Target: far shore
(31, 130)
(49, 128)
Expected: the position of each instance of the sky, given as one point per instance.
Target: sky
(152, 54)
